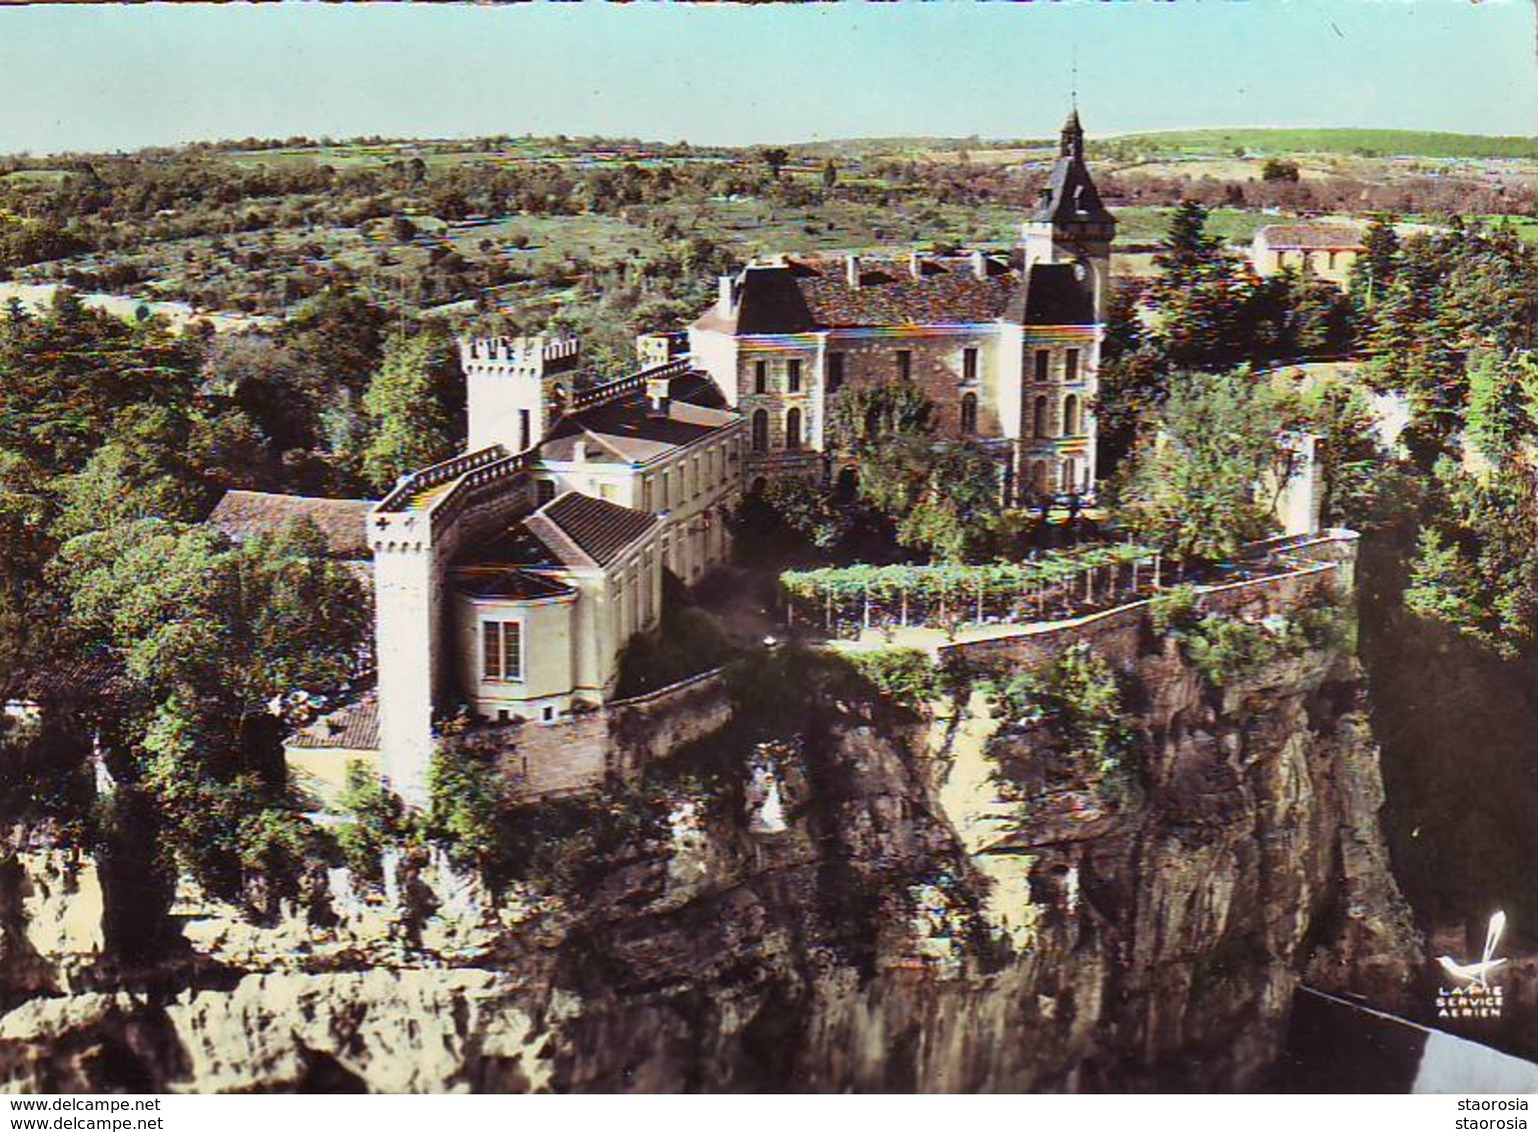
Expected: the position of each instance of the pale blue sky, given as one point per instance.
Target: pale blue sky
(97, 78)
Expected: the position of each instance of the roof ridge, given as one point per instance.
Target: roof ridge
(556, 540)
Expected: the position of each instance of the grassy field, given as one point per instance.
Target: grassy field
(1378, 143)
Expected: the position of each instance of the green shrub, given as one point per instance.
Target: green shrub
(378, 820)
(1079, 699)
(906, 676)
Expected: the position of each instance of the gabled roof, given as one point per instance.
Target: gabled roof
(342, 522)
(1323, 236)
(1054, 294)
(628, 431)
(351, 728)
(599, 529)
(571, 532)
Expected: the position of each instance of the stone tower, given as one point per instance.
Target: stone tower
(516, 388)
(1070, 225)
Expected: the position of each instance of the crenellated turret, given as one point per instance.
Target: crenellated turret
(516, 388)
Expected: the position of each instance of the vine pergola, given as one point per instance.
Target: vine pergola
(847, 599)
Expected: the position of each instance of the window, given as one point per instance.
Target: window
(793, 430)
(760, 377)
(1071, 416)
(607, 492)
(969, 364)
(793, 375)
(904, 365)
(969, 414)
(525, 429)
(761, 431)
(1071, 366)
(502, 651)
(1068, 480)
(646, 494)
(544, 491)
(835, 371)
(1041, 365)
(1039, 418)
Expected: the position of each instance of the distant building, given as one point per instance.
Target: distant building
(1006, 348)
(1326, 251)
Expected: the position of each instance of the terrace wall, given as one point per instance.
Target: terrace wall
(618, 740)
(1117, 633)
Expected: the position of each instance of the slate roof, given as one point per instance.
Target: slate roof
(627, 431)
(351, 728)
(514, 584)
(1324, 236)
(1055, 294)
(1071, 196)
(246, 514)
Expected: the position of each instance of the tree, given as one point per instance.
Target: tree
(1373, 270)
(1476, 566)
(408, 425)
(829, 174)
(1502, 406)
(1194, 489)
(200, 636)
(1189, 254)
(1275, 169)
(775, 157)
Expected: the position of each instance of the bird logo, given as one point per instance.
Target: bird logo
(1478, 974)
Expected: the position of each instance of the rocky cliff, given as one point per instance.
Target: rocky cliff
(828, 895)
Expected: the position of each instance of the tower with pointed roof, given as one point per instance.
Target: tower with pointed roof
(1070, 224)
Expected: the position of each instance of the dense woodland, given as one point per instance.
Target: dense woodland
(150, 631)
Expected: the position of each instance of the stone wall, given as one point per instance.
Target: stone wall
(617, 740)
(1117, 633)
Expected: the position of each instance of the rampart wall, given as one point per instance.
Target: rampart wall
(618, 740)
(1325, 566)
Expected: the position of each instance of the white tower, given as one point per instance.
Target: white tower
(515, 387)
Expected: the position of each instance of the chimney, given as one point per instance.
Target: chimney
(916, 265)
(579, 451)
(852, 271)
(979, 265)
(658, 390)
(724, 295)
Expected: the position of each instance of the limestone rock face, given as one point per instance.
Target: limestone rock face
(894, 927)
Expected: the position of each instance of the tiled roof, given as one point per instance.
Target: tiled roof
(76, 680)
(946, 292)
(1336, 236)
(571, 532)
(517, 585)
(599, 529)
(246, 514)
(351, 728)
(889, 295)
